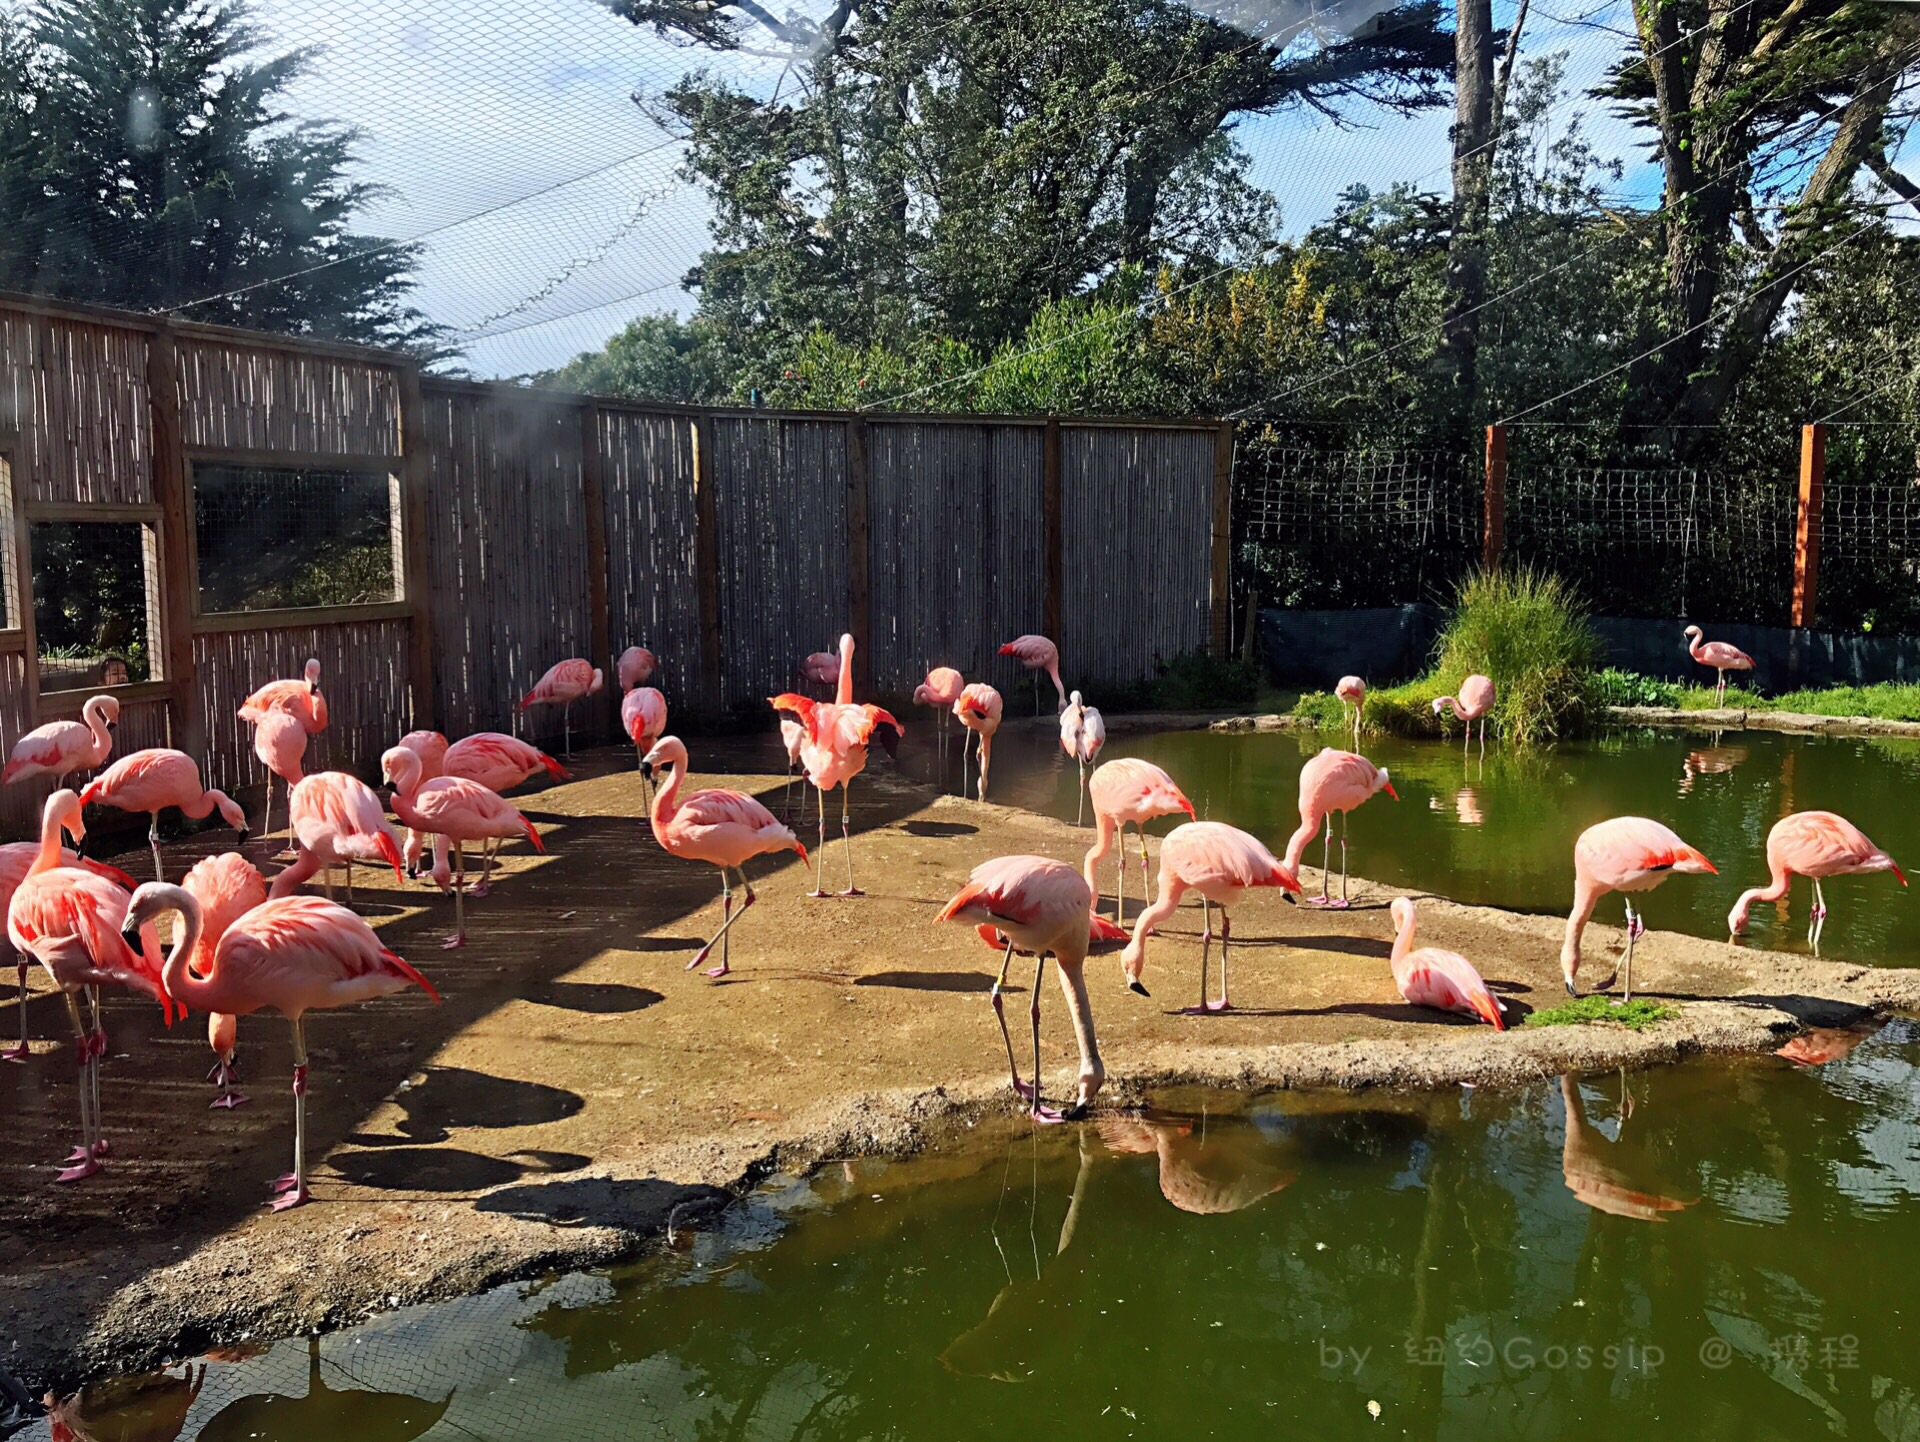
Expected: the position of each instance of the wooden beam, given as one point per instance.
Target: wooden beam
(859, 550)
(188, 726)
(1493, 530)
(223, 622)
(599, 623)
(1220, 585)
(706, 561)
(1806, 531)
(1053, 535)
(65, 705)
(295, 460)
(416, 477)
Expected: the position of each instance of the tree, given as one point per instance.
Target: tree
(156, 169)
(656, 357)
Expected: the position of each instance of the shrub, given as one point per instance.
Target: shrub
(1191, 681)
(1529, 631)
(1614, 687)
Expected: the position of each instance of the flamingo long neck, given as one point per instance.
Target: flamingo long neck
(1097, 853)
(1403, 942)
(95, 715)
(49, 856)
(666, 800)
(1695, 645)
(1772, 891)
(1302, 836)
(843, 688)
(177, 977)
(1585, 897)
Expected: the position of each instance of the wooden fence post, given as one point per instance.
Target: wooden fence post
(416, 473)
(593, 497)
(859, 578)
(706, 561)
(1806, 533)
(1053, 536)
(1493, 534)
(1220, 590)
(186, 723)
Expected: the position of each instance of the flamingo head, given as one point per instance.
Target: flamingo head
(1693, 633)
(400, 767)
(108, 707)
(1440, 704)
(1387, 785)
(1133, 961)
(667, 752)
(63, 813)
(1402, 910)
(313, 675)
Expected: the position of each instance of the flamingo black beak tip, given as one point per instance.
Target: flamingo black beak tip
(1138, 990)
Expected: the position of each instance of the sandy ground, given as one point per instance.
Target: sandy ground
(579, 1089)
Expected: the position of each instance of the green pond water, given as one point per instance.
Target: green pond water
(1499, 831)
(1707, 1251)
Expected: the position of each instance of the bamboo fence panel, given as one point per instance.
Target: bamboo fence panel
(652, 587)
(238, 398)
(76, 393)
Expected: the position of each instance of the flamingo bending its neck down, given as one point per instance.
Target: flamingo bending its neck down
(227, 887)
(431, 748)
(1083, 731)
(834, 751)
(979, 710)
(335, 820)
(291, 956)
(69, 920)
(635, 667)
(723, 828)
(16, 859)
(1038, 906)
(565, 683)
(1723, 656)
(1333, 781)
(1814, 844)
(453, 810)
(60, 748)
(1220, 862)
(1127, 790)
(1626, 854)
(1352, 691)
(302, 698)
(1444, 980)
(1472, 704)
(1038, 654)
(154, 779)
(280, 741)
(940, 690)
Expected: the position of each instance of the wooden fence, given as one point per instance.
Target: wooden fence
(529, 526)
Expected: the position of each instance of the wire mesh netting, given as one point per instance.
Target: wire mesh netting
(1334, 528)
(95, 602)
(1870, 530)
(270, 538)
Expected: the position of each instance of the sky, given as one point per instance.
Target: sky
(551, 210)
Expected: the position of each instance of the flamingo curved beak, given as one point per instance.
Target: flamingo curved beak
(1138, 989)
(646, 769)
(1572, 990)
(131, 936)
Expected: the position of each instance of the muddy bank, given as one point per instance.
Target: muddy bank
(1730, 718)
(579, 1090)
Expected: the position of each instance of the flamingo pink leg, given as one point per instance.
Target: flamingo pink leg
(291, 1190)
(846, 838)
(459, 937)
(224, 1075)
(820, 849)
(84, 1161)
(22, 1051)
(1038, 1112)
(730, 916)
(1000, 1015)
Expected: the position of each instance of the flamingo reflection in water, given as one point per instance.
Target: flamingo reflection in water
(342, 1412)
(1616, 1177)
(146, 1407)
(1208, 1170)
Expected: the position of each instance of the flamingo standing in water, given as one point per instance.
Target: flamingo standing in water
(1220, 862)
(565, 683)
(1083, 731)
(979, 710)
(1444, 980)
(15, 860)
(453, 810)
(70, 921)
(1038, 654)
(1723, 656)
(1814, 844)
(291, 956)
(1333, 781)
(635, 667)
(154, 779)
(1352, 692)
(834, 751)
(335, 820)
(723, 828)
(1472, 704)
(1626, 854)
(280, 741)
(940, 690)
(227, 887)
(1037, 905)
(60, 748)
(1127, 790)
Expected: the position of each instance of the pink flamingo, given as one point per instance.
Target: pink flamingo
(1723, 656)
(335, 820)
(1444, 980)
(498, 762)
(1333, 781)
(1626, 854)
(452, 809)
(722, 828)
(1037, 905)
(1352, 692)
(70, 921)
(1038, 654)
(1127, 790)
(302, 698)
(793, 736)
(292, 956)
(154, 779)
(821, 668)
(565, 683)
(227, 887)
(15, 860)
(979, 710)
(1083, 731)
(1814, 844)
(940, 690)
(1221, 863)
(431, 748)
(280, 741)
(834, 751)
(635, 667)
(60, 748)
(1472, 704)
(643, 716)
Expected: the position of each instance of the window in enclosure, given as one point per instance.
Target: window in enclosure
(96, 603)
(269, 538)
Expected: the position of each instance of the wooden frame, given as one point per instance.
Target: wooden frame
(155, 573)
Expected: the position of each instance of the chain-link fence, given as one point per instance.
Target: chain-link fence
(1870, 530)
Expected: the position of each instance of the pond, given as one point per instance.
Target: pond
(1691, 1252)
(1499, 831)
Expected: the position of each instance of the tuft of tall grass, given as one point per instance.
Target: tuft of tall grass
(1528, 630)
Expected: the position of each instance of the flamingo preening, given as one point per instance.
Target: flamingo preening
(1723, 656)
(940, 690)
(1627, 854)
(1444, 980)
(635, 667)
(1083, 731)
(227, 887)
(1038, 654)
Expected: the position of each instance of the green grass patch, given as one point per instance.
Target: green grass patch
(1636, 1015)
(1889, 701)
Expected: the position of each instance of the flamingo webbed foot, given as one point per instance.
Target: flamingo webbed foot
(293, 1194)
(16, 1053)
(1024, 1090)
(459, 938)
(479, 889)
(83, 1168)
(853, 891)
(227, 1101)
(719, 971)
(1045, 1116)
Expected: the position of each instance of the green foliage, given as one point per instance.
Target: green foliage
(1636, 1015)
(657, 358)
(1614, 687)
(1888, 701)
